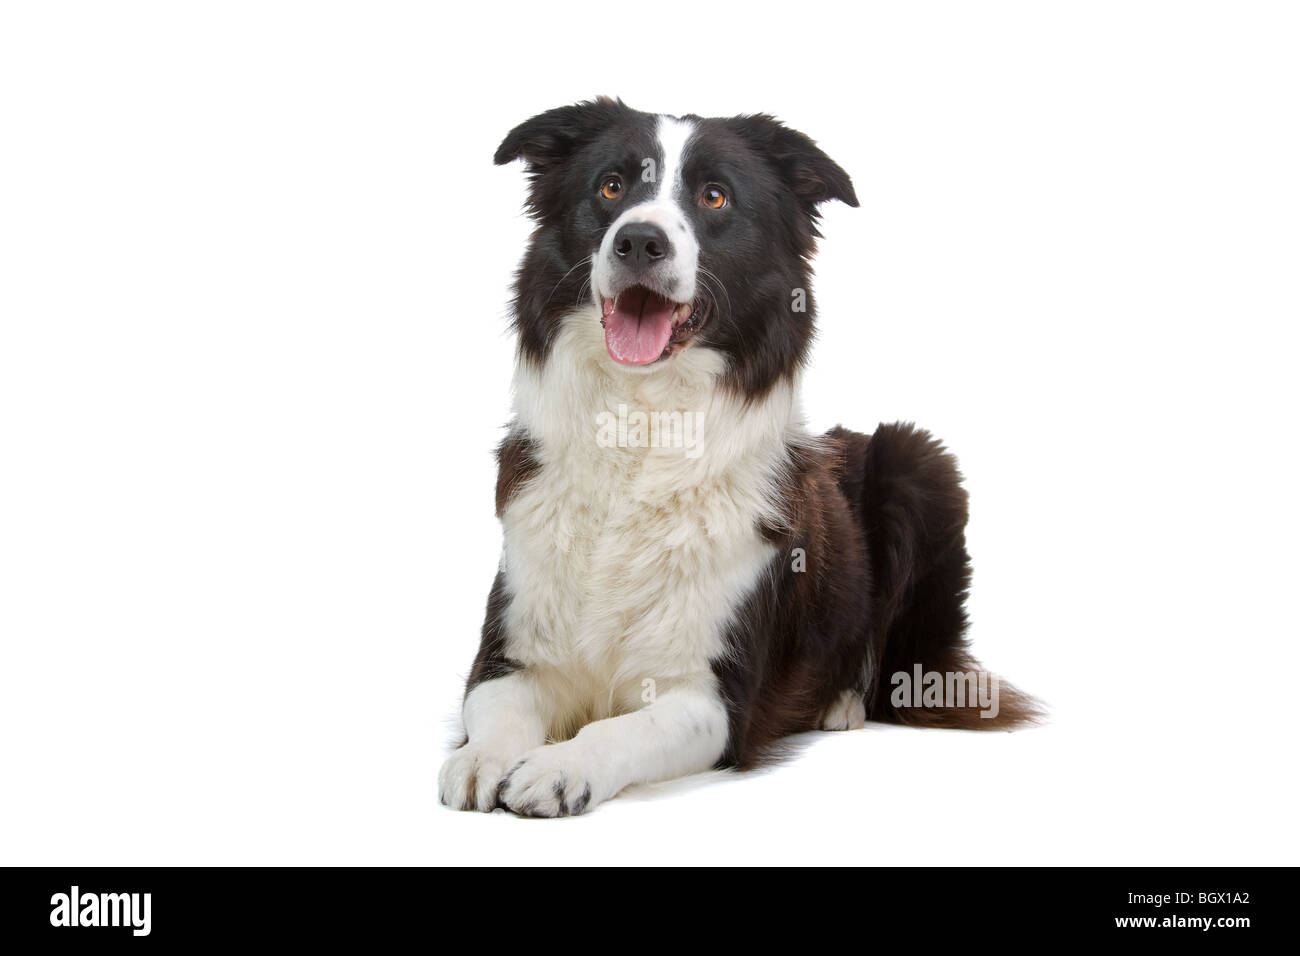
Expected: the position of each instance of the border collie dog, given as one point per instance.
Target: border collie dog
(688, 575)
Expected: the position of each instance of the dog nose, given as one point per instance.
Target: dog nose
(641, 244)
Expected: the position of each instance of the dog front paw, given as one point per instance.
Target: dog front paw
(470, 777)
(552, 781)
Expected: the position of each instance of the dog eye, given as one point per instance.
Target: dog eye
(713, 197)
(612, 188)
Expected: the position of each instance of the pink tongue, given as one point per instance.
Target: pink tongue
(637, 326)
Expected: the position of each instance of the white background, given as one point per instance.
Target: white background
(254, 261)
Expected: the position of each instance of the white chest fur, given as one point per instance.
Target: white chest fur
(624, 563)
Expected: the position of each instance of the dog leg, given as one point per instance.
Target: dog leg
(504, 718)
(684, 731)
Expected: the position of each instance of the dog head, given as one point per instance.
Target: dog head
(677, 232)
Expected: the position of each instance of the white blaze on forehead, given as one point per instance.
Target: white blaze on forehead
(666, 209)
(673, 136)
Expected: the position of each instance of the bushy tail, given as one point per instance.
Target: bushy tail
(908, 495)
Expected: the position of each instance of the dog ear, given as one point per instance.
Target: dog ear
(551, 137)
(812, 175)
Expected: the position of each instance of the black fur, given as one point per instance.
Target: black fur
(492, 660)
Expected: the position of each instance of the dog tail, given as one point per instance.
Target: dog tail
(907, 492)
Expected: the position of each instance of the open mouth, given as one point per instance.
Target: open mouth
(641, 326)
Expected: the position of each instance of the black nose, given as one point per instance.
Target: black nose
(641, 244)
